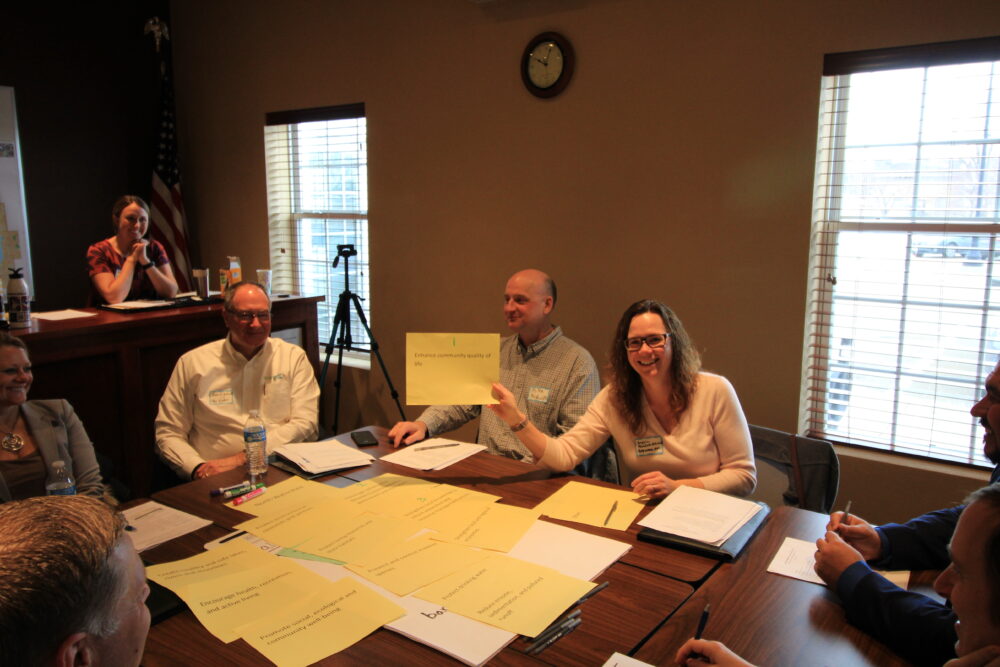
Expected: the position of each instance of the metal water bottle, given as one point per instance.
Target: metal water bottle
(18, 300)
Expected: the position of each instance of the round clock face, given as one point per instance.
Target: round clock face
(547, 64)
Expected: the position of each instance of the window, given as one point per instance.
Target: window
(904, 288)
(317, 192)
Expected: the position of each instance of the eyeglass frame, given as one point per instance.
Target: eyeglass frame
(247, 316)
(643, 341)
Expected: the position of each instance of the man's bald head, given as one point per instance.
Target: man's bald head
(529, 297)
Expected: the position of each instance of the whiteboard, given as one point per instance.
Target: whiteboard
(14, 247)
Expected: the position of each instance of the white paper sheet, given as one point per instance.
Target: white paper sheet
(323, 456)
(56, 315)
(567, 550)
(795, 558)
(433, 454)
(152, 524)
(620, 660)
(701, 515)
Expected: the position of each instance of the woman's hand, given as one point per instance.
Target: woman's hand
(138, 252)
(507, 408)
(654, 484)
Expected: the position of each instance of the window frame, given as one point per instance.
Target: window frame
(286, 222)
(818, 384)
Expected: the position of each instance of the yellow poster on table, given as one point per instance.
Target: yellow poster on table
(451, 368)
(507, 593)
(337, 615)
(593, 505)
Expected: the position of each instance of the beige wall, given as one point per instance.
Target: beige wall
(678, 164)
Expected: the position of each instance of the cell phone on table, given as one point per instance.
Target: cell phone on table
(364, 438)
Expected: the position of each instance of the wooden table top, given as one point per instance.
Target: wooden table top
(651, 606)
(770, 619)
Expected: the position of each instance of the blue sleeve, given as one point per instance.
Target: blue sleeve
(913, 626)
(920, 543)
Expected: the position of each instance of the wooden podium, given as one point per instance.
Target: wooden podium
(113, 368)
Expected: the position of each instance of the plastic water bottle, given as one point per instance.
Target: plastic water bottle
(60, 482)
(18, 302)
(255, 444)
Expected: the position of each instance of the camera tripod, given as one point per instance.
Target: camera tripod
(342, 335)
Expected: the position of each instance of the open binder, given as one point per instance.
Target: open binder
(728, 551)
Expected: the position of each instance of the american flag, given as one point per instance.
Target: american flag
(167, 204)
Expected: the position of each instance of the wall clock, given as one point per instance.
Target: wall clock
(547, 64)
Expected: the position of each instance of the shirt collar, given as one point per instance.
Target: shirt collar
(539, 345)
(232, 354)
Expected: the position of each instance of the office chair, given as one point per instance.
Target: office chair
(797, 470)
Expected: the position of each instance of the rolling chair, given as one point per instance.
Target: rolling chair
(795, 470)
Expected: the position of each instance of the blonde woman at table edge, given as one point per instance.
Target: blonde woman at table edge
(673, 424)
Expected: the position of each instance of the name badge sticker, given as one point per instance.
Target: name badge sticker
(221, 397)
(539, 394)
(649, 446)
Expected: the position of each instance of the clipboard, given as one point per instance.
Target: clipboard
(727, 552)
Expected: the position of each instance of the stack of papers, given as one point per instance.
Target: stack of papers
(325, 456)
(433, 454)
(151, 524)
(701, 515)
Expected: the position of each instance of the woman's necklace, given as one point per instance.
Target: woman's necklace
(11, 441)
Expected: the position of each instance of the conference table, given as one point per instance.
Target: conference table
(651, 605)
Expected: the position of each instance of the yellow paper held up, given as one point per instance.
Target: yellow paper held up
(337, 615)
(508, 593)
(593, 505)
(451, 368)
(405, 567)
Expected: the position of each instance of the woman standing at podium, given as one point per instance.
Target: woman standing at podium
(128, 265)
(33, 434)
(672, 423)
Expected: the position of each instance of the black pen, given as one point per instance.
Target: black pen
(554, 627)
(592, 592)
(614, 506)
(423, 449)
(570, 627)
(702, 621)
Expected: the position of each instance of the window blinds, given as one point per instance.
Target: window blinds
(903, 309)
(317, 200)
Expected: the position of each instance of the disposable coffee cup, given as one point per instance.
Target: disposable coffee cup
(201, 282)
(264, 278)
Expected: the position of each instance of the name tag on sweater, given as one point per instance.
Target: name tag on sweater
(649, 446)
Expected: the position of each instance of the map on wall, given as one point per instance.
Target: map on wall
(14, 250)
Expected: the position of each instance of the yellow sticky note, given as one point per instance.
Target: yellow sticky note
(235, 595)
(287, 495)
(356, 539)
(405, 567)
(301, 523)
(337, 615)
(451, 369)
(593, 505)
(508, 593)
(485, 525)
(388, 492)
(230, 557)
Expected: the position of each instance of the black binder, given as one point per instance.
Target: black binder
(728, 551)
